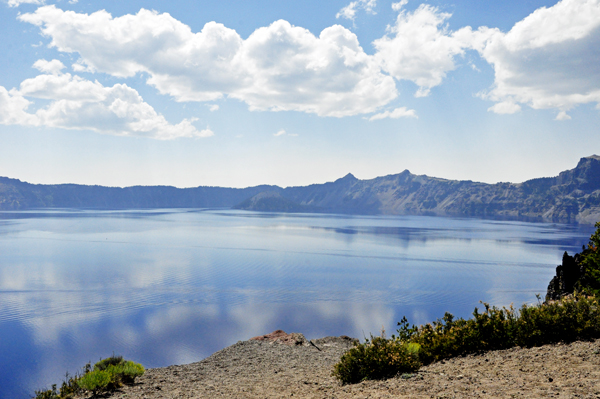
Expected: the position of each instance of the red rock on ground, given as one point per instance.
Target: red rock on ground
(282, 337)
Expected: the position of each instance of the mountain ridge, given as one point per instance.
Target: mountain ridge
(572, 196)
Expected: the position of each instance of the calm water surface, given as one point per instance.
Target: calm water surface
(174, 286)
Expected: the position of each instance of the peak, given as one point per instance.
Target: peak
(596, 157)
(348, 177)
(587, 161)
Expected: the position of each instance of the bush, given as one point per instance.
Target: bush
(107, 374)
(95, 381)
(444, 338)
(109, 361)
(572, 318)
(68, 389)
(125, 372)
(376, 359)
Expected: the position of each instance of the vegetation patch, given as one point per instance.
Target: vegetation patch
(377, 358)
(106, 375)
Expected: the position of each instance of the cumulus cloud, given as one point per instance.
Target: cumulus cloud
(420, 48)
(17, 3)
(77, 103)
(279, 67)
(548, 60)
(54, 67)
(401, 112)
(13, 108)
(329, 75)
(505, 107)
(349, 12)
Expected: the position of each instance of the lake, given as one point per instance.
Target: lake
(165, 287)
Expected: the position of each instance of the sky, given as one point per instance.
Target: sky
(241, 93)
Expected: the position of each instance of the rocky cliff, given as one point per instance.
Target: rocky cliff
(573, 196)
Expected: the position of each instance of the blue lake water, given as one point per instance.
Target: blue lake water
(173, 286)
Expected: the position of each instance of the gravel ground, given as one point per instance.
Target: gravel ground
(302, 369)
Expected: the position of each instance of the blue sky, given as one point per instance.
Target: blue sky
(240, 93)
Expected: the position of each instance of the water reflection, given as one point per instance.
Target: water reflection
(165, 287)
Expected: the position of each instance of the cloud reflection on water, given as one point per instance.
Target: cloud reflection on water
(175, 287)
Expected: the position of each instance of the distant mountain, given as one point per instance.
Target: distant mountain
(572, 196)
(15, 195)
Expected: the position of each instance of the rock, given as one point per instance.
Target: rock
(282, 337)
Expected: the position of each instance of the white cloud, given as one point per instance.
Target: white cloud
(279, 67)
(562, 116)
(17, 3)
(349, 12)
(421, 48)
(214, 107)
(505, 107)
(397, 6)
(279, 133)
(54, 67)
(401, 112)
(549, 59)
(205, 132)
(330, 75)
(13, 108)
(77, 103)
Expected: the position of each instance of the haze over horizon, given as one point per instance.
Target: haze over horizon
(237, 94)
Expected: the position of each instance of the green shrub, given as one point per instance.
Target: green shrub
(125, 372)
(376, 359)
(444, 338)
(68, 389)
(106, 375)
(109, 361)
(95, 381)
(132, 370)
(572, 318)
(47, 393)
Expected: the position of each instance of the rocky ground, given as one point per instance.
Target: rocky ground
(283, 365)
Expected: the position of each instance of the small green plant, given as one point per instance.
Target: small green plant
(106, 375)
(377, 358)
(68, 389)
(47, 394)
(125, 372)
(109, 361)
(95, 381)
